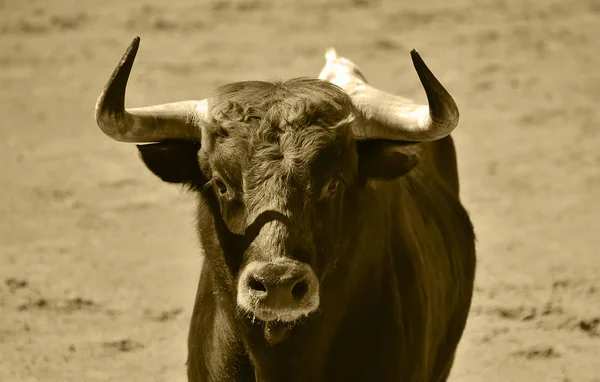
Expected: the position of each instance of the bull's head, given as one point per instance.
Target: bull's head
(280, 168)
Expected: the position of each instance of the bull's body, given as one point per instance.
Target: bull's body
(336, 246)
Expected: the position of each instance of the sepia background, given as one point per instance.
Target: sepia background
(99, 260)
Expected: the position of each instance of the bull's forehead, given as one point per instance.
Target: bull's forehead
(256, 153)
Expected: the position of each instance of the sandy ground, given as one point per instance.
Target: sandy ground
(99, 260)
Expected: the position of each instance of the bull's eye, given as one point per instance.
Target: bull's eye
(221, 187)
(331, 188)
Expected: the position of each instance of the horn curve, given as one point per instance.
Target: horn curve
(177, 120)
(389, 116)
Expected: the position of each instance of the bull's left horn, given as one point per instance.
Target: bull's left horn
(177, 120)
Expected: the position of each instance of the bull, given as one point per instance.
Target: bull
(336, 246)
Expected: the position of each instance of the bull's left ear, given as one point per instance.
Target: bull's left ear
(385, 160)
(173, 161)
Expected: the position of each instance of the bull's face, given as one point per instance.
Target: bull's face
(278, 159)
(278, 166)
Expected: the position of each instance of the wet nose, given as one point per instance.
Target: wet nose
(286, 288)
(277, 286)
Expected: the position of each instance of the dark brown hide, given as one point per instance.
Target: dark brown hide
(392, 246)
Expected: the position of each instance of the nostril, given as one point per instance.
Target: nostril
(299, 290)
(256, 285)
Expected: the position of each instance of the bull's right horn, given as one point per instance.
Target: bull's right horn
(177, 120)
(389, 116)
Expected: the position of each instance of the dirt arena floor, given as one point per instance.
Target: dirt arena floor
(99, 259)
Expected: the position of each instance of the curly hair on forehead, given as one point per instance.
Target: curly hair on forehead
(293, 104)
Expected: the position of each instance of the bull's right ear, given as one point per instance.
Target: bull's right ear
(173, 161)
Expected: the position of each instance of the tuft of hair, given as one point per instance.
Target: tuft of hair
(293, 104)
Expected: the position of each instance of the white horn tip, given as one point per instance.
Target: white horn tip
(331, 54)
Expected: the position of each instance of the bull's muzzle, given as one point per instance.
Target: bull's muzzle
(281, 290)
